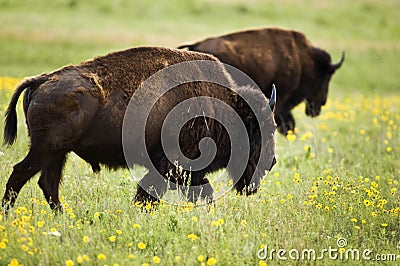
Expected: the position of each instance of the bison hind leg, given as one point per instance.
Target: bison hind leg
(22, 172)
(50, 179)
(95, 167)
(151, 188)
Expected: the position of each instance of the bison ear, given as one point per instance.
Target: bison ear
(272, 99)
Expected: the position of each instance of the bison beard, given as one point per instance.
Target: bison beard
(80, 108)
(286, 58)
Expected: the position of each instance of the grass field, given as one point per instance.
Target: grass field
(336, 184)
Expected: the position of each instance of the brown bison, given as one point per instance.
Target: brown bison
(283, 57)
(84, 109)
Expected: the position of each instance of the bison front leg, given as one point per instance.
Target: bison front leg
(50, 178)
(22, 172)
(248, 185)
(285, 122)
(151, 188)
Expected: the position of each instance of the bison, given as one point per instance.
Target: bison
(284, 57)
(84, 109)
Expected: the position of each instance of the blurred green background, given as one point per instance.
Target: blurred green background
(39, 36)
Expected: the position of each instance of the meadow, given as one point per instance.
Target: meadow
(336, 183)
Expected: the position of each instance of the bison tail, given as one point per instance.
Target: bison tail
(10, 129)
(188, 46)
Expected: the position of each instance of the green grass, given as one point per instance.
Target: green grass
(338, 178)
(332, 181)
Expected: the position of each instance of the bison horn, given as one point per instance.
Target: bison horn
(336, 66)
(272, 100)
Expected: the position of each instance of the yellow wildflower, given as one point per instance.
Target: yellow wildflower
(211, 261)
(136, 226)
(156, 259)
(262, 263)
(291, 137)
(192, 236)
(40, 224)
(141, 245)
(367, 202)
(13, 262)
(101, 256)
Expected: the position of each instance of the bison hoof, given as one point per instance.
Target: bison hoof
(285, 123)
(142, 198)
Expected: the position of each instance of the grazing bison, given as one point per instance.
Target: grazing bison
(283, 57)
(81, 108)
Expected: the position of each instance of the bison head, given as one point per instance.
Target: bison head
(317, 92)
(260, 125)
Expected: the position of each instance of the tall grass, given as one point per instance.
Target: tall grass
(338, 177)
